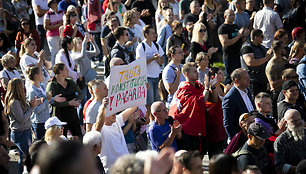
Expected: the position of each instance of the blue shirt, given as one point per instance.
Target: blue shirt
(169, 77)
(301, 71)
(63, 5)
(242, 19)
(129, 136)
(163, 34)
(158, 134)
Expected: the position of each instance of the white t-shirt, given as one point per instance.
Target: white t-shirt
(11, 75)
(43, 4)
(26, 61)
(113, 143)
(175, 8)
(153, 68)
(139, 28)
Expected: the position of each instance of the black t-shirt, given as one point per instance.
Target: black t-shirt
(256, 73)
(110, 41)
(233, 51)
(105, 31)
(283, 106)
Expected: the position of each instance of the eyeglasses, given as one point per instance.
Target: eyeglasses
(73, 15)
(202, 30)
(25, 23)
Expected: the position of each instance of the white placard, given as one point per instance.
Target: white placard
(127, 86)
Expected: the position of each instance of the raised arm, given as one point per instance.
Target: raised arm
(101, 115)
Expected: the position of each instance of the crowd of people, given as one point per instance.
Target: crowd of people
(225, 79)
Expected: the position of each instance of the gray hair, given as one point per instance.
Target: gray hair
(92, 138)
(128, 164)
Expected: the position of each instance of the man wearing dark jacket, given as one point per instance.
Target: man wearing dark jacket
(119, 49)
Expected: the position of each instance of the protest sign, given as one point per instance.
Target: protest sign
(127, 86)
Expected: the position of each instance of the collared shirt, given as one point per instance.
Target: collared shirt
(246, 99)
(268, 21)
(288, 152)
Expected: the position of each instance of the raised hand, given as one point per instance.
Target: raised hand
(105, 102)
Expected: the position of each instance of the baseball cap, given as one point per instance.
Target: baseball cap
(296, 32)
(256, 129)
(53, 121)
(288, 84)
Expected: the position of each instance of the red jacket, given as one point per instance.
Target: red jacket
(189, 108)
(68, 31)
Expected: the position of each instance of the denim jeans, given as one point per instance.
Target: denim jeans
(23, 140)
(153, 94)
(39, 130)
(54, 47)
(86, 96)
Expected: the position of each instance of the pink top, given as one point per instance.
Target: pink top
(54, 18)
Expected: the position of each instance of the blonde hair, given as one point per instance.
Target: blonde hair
(15, 91)
(159, 8)
(26, 42)
(128, 15)
(187, 67)
(52, 133)
(74, 41)
(6, 59)
(195, 32)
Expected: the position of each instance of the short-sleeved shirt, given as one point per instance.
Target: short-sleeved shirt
(105, 31)
(113, 143)
(184, 5)
(242, 19)
(268, 21)
(92, 111)
(158, 134)
(154, 68)
(9, 74)
(169, 76)
(233, 51)
(63, 5)
(54, 18)
(43, 4)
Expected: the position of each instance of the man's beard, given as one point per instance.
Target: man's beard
(297, 132)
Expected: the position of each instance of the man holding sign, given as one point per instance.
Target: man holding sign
(113, 142)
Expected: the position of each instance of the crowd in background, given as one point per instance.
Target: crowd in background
(225, 79)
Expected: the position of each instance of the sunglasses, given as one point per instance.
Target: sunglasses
(202, 30)
(73, 15)
(25, 23)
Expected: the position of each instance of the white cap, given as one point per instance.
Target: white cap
(53, 121)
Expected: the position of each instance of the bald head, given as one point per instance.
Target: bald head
(155, 106)
(116, 61)
(292, 114)
(227, 12)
